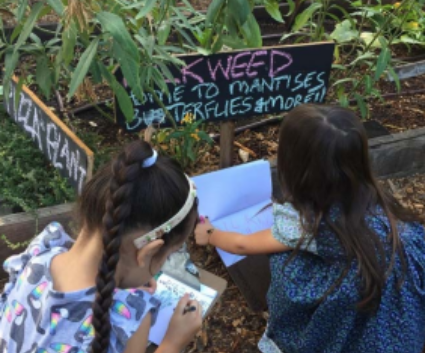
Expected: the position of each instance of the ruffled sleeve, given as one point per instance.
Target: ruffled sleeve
(53, 236)
(129, 308)
(287, 228)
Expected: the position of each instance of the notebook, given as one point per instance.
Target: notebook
(169, 291)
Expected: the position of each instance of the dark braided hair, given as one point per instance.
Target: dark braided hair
(123, 197)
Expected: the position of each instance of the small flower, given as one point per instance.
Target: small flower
(195, 136)
(188, 118)
(397, 5)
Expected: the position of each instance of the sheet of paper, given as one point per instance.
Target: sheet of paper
(169, 291)
(250, 220)
(233, 199)
(230, 190)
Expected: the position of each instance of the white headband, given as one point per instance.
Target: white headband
(166, 227)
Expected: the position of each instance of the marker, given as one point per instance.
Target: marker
(189, 309)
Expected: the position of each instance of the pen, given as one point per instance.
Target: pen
(189, 309)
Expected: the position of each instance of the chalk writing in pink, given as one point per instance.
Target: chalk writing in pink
(253, 64)
(273, 71)
(225, 71)
(186, 72)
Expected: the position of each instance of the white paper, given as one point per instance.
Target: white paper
(169, 291)
(234, 200)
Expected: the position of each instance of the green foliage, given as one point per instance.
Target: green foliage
(26, 179)
(365, 38)
(186, 144)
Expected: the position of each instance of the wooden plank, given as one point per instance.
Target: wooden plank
(227, 137)
(409, 70)
(398, 155)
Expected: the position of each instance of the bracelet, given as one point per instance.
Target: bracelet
(210, 232)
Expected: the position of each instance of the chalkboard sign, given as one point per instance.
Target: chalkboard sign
(66, 152)
(238, 84)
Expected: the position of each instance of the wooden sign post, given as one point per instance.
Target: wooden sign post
(65, 151)
(237, 85)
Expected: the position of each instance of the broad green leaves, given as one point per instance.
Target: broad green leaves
(83, 67)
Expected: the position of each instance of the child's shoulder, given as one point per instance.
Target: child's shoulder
(53, 236)
(288, 229)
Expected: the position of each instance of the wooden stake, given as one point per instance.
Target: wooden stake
(227, 136)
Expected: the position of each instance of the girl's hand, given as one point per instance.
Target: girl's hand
(202, 236)
(183, 327)
(150, 287)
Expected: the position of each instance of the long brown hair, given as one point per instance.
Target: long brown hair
(323, 162)
(123, 197)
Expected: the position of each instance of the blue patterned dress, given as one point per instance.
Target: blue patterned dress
(299, 324)
(35, 318)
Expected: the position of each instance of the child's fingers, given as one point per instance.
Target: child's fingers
(183, 302)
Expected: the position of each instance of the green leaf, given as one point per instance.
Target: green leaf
(11, 60)
(272, 7)
(44, 75)
(57, 6)
(303, 18)
(146, 9)
(83, 67)
(29, 25)
(344, 32)
(362, 105)
(240, 10)
(234, 43)
(213, 11)
(21, 10)
(364, 57)
(291, 5)
(69, 39)
(163, 33)
(343, 80)
(252, 33)
(123, 98)
(343, 100)
(95, 71)
(369, 38)
(205, 137)
(368, 84)
(395, 77)
(124, 49)
(383, 61)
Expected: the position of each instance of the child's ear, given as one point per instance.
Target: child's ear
(145, 254)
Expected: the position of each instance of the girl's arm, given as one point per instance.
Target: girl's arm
(261, 242)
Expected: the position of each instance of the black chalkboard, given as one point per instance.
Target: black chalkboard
(65, 151)
(238, 84)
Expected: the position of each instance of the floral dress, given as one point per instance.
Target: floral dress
(299, 323)
(35, 318)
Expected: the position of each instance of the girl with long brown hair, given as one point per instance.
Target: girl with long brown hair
(347, 262)
(87, 295)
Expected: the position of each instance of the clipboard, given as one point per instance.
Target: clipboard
(210, 280)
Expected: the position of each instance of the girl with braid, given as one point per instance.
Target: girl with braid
(90, 295)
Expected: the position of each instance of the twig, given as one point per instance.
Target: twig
(60, 101)
(246, 149)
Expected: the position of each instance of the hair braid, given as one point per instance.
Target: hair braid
(125, 170)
